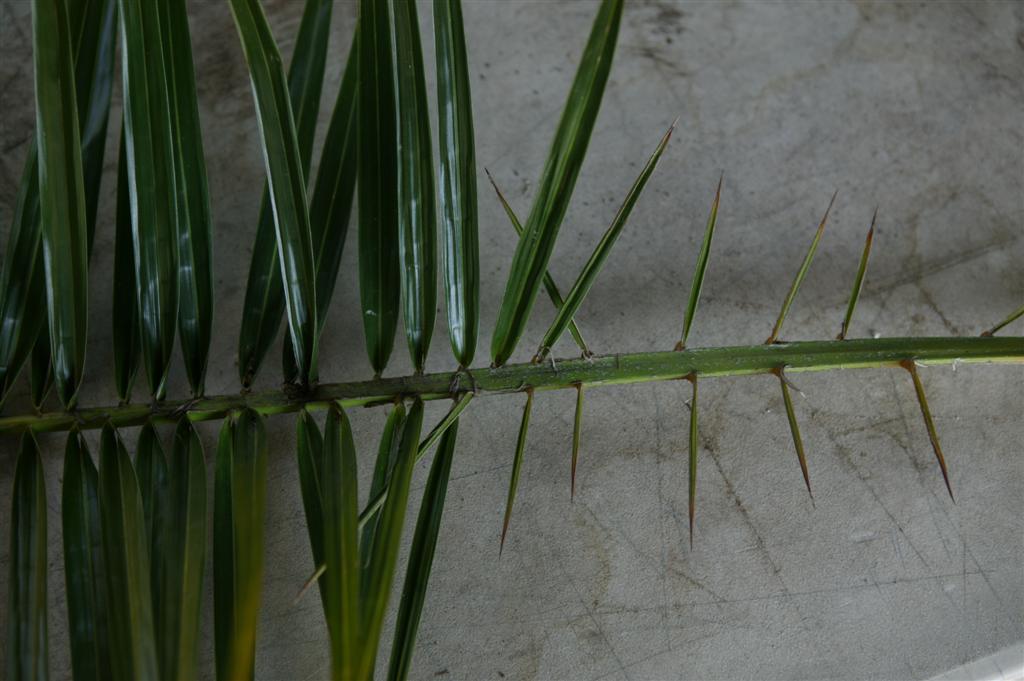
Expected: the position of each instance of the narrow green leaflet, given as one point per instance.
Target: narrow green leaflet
(926, 413)
(287, 178)
(555, 188)
(517, 465)
(377, 500)
(586, 278)
(387, 541)
(84, 575)
(195, 245)
(460, 242)
(341, 546)
(264, 295)
(93, 33)
(240, 502)
(1013, 316)
(444, 424)
(151, 184)
(377, 155)
(700, 270)
(801, 273)
(310, 454)
(794, 429)
(62, 216)
(858, 282)
(126, 564)
(182, 554)
(22, 280)
(692, 492)
(577, 432)
(549, 283)
(27, 658)
(330, 206)
(417, 232)
(387, 455)
(124, 311)
(22, 286)
(40, 374)
(151, 470)
(421, 557)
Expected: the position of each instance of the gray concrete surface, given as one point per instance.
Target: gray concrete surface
(916, 109)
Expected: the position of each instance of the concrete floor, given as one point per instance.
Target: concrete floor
(914, 109)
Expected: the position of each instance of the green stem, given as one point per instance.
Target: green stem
(552, 375)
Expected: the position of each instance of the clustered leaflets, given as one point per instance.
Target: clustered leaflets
(135, 532)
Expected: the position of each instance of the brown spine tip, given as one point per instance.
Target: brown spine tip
(933, 436)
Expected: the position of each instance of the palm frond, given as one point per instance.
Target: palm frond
(134, 535)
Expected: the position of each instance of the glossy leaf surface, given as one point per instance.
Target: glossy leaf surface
(151, 183)
(62, 216)
(341, 546)
(27, 640)
(417, 230)
(310, 454)
(549, 282)
(286, 172)
(126, 563)
(182, 552)
(84, 575)
(124, 311)
(555, 187)
(240, 501)
(330, 206)
(457, 181)
(379, 284)
(264, 294)
(586, 278)
(421, 557)
(386, 543)
(195, 243)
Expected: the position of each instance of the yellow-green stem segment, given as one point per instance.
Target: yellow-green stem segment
(615, 369)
